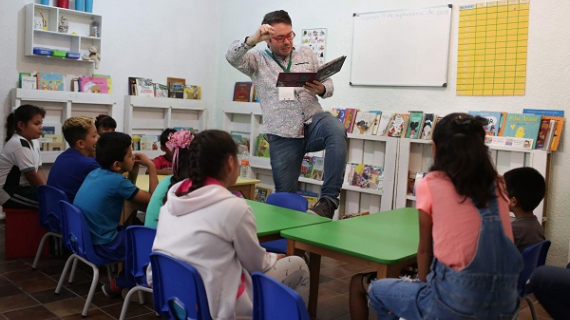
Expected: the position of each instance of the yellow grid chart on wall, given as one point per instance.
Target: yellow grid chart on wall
(492, 48)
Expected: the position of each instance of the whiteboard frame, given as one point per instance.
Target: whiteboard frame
(444, 85)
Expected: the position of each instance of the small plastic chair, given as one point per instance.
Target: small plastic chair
(179, 292)
(533, 257)
(138, 248)
(50, 216)
(273, 300)
(76, 234)
(287, 200)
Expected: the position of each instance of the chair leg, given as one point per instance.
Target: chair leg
(41, 247)
(532, 307)
(71, 258)
(141, 297)
(91, 289)
(73, 269)
(140, 290)
(109, 273)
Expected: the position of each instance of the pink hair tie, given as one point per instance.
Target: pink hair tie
(177, 140)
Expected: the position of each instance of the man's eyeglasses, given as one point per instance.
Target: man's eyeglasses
(289, 37)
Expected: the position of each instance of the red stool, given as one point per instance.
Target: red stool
(23, 233)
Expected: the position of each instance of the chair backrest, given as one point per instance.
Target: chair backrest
(533, 257)
(288, 200)
(178, 290)
(49, 209)
(273, 300)
(75, 233)
(139, 240)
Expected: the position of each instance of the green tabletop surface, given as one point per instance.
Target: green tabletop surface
(387, 237)
(272, 219)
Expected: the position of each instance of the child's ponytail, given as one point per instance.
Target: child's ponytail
(10, 126)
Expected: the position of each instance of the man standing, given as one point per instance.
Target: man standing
(294, 121)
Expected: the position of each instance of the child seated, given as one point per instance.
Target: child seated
(105, 123)
(74, 164)
(163, 163)
(526, 188)
(20, 162)
(206, 226)
(102, 194)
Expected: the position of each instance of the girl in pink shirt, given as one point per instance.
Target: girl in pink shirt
(468, 266)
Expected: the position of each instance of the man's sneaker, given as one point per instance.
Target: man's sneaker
(324, 208)
(111, 290)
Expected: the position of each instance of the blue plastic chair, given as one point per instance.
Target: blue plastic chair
(50, 216)
(76, 234)
(138, 248)
(286, 200)
(273, 300)
(179, 292)
(533, 257)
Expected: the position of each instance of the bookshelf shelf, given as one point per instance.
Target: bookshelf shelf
(77, 39)
(311, 181)
(362, 190)
(260, 162)
(60, 105)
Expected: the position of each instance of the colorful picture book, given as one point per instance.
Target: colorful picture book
(494, 120)
(365, 122)
(523, 125)
(262, 147)
(144, 88)
(261, 194)
(175, 87)
(398, 125)
(160, 90)
(415, 126)
(312, 197)
(193, 92)
(93, 84)
(242, 91)
(318, 168)
(50, 81)
(298, 79)
(366, 176)
(428, 126)
(109, 81)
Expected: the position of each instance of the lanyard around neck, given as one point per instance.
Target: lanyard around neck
(282, 67)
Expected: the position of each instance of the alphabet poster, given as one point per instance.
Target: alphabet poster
(316, 40)
(492, 48)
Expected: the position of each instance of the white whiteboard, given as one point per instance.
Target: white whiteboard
(401, 47)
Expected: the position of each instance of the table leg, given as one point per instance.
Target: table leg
(315, 271)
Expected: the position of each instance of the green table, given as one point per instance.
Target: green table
(385, 241)
(271, 220)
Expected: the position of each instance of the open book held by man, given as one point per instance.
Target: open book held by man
(298, 79)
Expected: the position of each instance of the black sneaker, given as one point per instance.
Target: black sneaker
(325, 208)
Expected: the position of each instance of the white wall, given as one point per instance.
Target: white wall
(193, 36)
(548, 78)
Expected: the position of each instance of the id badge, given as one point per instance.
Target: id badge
(286, 94)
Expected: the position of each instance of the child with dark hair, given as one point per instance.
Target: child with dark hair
(163, 163)
(74, 164)
(105, 123)
(20, 162)
(206, 226)
(468, 266)
(102, 195)
(526, 188)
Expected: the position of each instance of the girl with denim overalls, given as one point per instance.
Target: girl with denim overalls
(465, 235)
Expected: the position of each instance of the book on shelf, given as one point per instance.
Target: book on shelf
(133, 85)
(417, 179)
(349, 118)
(306, 167)
(415, 126)
(298, 79)
(428, 126)
(510, 142)
(145, 88)
(28, 82)
(93, 84)
(398, 125)
(50, 81)
(493, 121)
(543, 133)
(160, 90)
(51, 142)
(545, 112)
(149, 142)
(175, 87)
(558, 117)
(376, 123)
(242, 91)
(109, 81)
(240, 139)
(261, 194)
(550, 135)
(193, 92)
(318, 168)
(364, 122)
(136, 142)
(523, 125)
(262, 149)
(312, 197)
(254, 94)
(367, 176)
(385, 120)
(25, 74)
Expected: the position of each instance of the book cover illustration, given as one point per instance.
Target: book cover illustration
(367, 176)
(193, 92)
(93, 84)
(493, 121)
(416, 122)
(306, 167)
(50, 81)
(542, 133)
(429, 124)
(385, 120)
(330, 68)
(160, 90)
(398, 125)
(242, 91)
(312, 197)
(261, 194)
(364, 122)
(51, 142)
(175, 87)
(109, 81)
(145, 87)
(376, 122)
(557, 132)
(341, 115)
(316, 40)
(349, 119)
(294, 79)
(262, 147)
(523, 125)
(28, 82)
(318, 168)
(133, 86)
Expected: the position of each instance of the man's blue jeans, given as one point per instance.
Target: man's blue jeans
(325, 132)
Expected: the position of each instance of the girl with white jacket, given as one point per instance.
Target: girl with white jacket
(206, 226)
